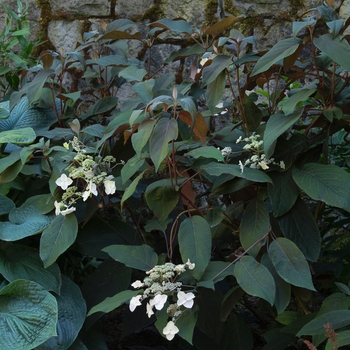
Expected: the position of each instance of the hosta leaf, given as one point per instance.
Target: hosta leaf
(290, 263)
(6, 204)
(327, 183)
(18, 136)
(28, 315)
(255, 224)
(255, 279)
(337, 319)
(112, 303)
(161, 197)
(141, 257)
(276, 126)
(22, 262)
(58, 237)
(299, 225)
(25, 116)
(23, 222)
(195, 243)
(71, 317)
(165, 131)
(217, 169)
(281, 50)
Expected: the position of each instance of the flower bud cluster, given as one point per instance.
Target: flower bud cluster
(258, 160)
(85, 171)
(160, 286)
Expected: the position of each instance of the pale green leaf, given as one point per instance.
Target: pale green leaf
(131, 188)
(290, 105)
(186, 324)
(195, 243)
(218, 65)
(177, 26)
(145, 90)
(140, 138)
(141, 257)
(290, 263)
(215, 90)
(255, 279)
(28, 315)
(6, 204)
(206, 152)
(18, 136)
(132, 73)
(58, 237)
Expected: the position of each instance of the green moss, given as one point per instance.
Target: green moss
(153, 14)
(297, 7)
(211, 8)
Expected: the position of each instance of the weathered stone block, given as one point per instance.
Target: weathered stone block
(129, 9)
(65, 34)
(81, 7)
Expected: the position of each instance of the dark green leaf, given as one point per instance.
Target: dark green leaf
(343, 338)
(300, 227)
(140, 138)
(337, 319)
(186, 324)
(281, 50)
(132, 73)
(211, 72)
(110, 60)
(104, 105)
(335, 48)
(276, 126)
(131, 188)
(195, 49)
(22, 262)
(161, 198)
(327, 183)
(215, 90)
(165, 131)
(283, 192)
(195, 243)
(58, 237)
(141, 257)
(112, 303)
(253, 115)
(255, 279)
(6, 205)
(118, 34)
(277, 340)
(255, 224)
(290, 105)
(237, 334)
(177, 26)
(28, 315)
(290, 263)
(217, 169)
(71, 317)
(206, 152)
(215, 272)
(335, 301)
(145, 90)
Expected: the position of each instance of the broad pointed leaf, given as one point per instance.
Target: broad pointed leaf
(132, 73)
(327, 183)
(255, 279)
(281, 50)
(131, 188)
(141, 257)
(215, 90)
(161, 197)
(177, 26)
(195, 243)
(165, 131)
(58, 237)
(18, 136)
(206, 152)
(300, 227)
(219, 64)
(28, 315)
(290, 263)
(276, 126)
(255, 224)
(186, 324)
(215, 272)
(221, 26)
(337, 319)
(140, 138)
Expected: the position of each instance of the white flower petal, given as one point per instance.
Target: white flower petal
(137, 284)
(109, 184)
(64, 181)
(134, 302)
(149, 310)
(185, 299)
(158, 301)
(170, 330)
(68, 211)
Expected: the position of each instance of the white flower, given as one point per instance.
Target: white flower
(149, 310)
(226, 151)
(170, 330)
(158, 301)
(134, 302)
(185, 299)
(241, 166)
(64, 181)
(282, 165)
(91, 188)
(239, 139)
(109, 184)
(58, 207)
(263, 165)
(137, 284)
(190, 265)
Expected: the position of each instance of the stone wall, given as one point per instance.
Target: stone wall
(64, 21)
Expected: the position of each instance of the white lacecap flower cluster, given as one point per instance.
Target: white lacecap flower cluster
(258, 160)
(161, 286)
(92, 171)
